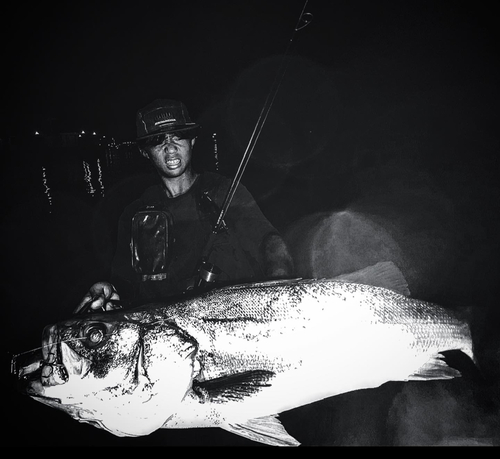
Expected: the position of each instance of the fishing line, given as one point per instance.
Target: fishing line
(14, 358)
(47, 345)
(68, 340)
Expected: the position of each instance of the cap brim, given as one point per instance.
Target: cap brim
(174, 128)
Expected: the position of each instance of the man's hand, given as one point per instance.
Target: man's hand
(278, 262)
(100, 296)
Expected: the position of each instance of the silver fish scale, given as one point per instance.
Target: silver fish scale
(430, 325)
(247, 317)
(232, 325)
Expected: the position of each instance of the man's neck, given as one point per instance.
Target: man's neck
(176, 186)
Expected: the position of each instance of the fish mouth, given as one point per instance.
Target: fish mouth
(40, 368)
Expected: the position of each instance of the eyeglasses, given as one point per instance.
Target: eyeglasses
(157, 140)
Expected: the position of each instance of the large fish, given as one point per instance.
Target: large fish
(238, 356)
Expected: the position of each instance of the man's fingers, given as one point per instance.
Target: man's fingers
(91, 305)
(101, 297)
(99, 304)
(111, 303)
(83, 304)
(115, 296)
(111, 306)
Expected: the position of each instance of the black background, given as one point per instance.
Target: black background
(382, 143)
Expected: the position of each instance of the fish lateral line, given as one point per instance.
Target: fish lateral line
(233, 319)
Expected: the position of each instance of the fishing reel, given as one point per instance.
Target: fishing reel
(208, 274)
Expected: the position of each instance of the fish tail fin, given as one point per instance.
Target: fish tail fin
(462, 363)
(382, 274)
(448, 364)
(484, 323)
(485, 391)
(266, 429)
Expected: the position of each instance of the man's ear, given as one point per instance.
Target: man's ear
(193, 140)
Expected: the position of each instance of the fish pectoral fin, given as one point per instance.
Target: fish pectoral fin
(444, 366)
(233, 387)
(266, 429)
(141, 378)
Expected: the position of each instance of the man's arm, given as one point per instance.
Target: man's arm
(258, 236)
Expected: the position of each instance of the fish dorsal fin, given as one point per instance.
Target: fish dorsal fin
(266, 283)
(266, 429)
(382, 274)
(233, 387)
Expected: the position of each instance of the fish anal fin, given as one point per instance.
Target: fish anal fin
(382, 274)
(266, 429)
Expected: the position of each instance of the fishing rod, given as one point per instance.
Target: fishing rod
(304, 19)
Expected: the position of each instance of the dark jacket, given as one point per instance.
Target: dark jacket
(237, 252)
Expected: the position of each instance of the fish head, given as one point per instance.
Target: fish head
(116, 372)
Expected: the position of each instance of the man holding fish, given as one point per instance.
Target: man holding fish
(235, 357)
(165, 243)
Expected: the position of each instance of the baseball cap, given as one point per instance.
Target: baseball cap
(163, 116)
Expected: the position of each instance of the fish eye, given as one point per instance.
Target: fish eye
(94, 334)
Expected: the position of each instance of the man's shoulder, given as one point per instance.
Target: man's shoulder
(211, 180)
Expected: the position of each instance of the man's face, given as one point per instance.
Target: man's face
(171, 156)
